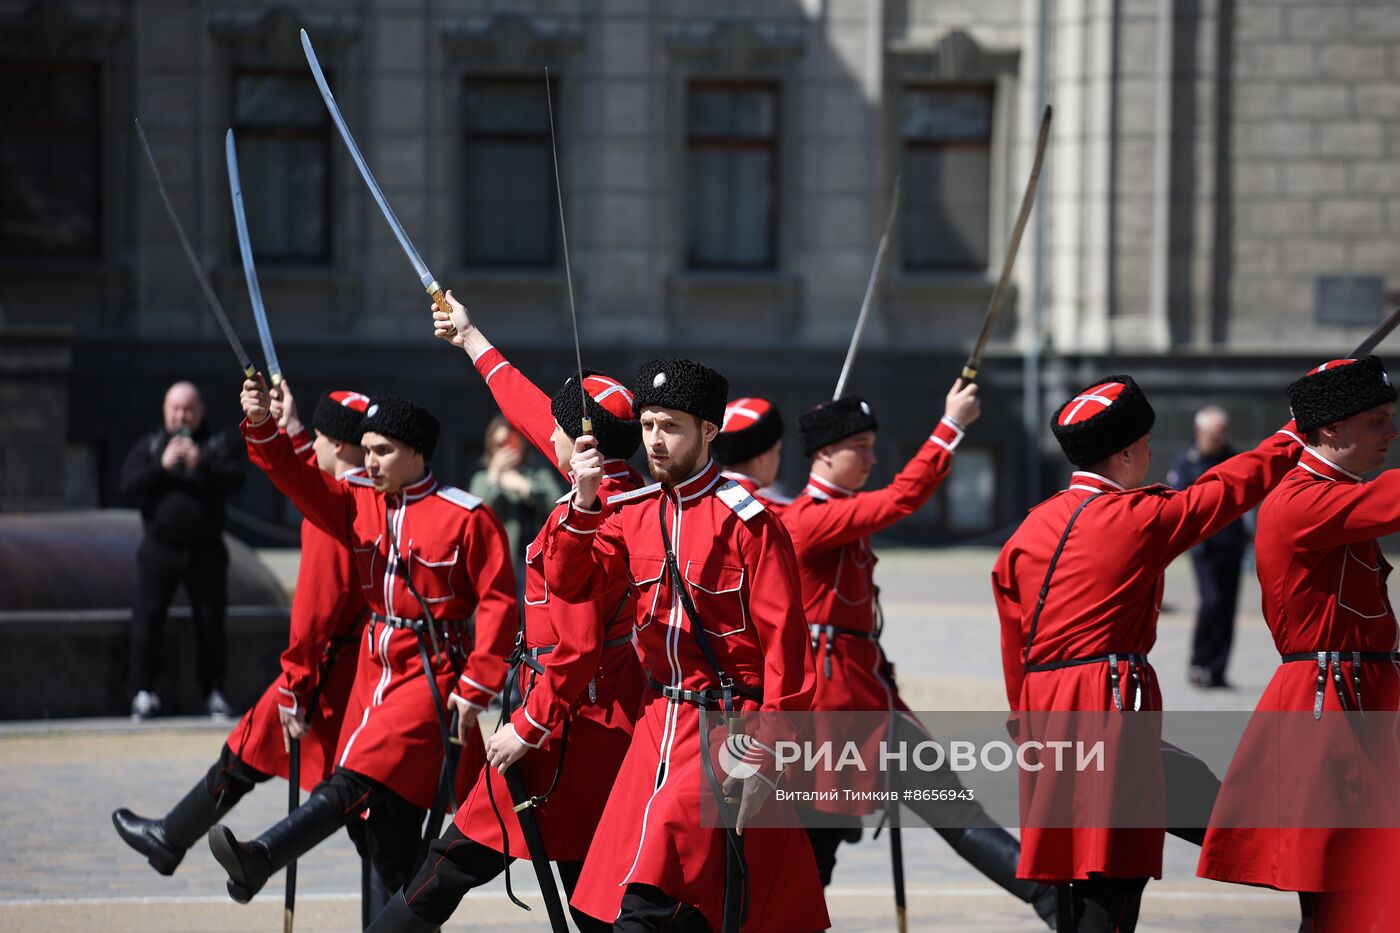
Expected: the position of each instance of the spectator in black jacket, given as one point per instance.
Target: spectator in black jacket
(181, 477)
(1216, 560)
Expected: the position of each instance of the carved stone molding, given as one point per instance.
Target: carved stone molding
(954, 56)
(737, 45)
(52, 29)
(512, 41)
(273, 37)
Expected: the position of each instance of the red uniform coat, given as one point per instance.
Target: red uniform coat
(739, 567)
(459, 561)
(1323, 580)
(328, 614)
(831, 528)
(1104, 598)
(595, 689)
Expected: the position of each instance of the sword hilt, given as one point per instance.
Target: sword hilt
(587, 425)
(969, 373)
(440, 299)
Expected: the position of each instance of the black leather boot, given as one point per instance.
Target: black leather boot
(398, 917)
(165, 841)
(994, 852)
(250, 864)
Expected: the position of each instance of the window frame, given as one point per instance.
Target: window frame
(244, 130)
(772, 144)
(986, 144)
(95, 69)
(466, 137)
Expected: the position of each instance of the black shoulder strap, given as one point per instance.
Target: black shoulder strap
(1050, 572)
(698, 629)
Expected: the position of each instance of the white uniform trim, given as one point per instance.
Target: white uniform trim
(459, 497)
(630, 495)
(495, 369)
(739, 499)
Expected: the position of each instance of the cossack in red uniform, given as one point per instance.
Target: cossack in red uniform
(753, 426)
(323, 646)
(831, 528)
(580, 669)
(737, 564)
(454, 550)
(1087, 649)
(1323, 579)
(318, 672)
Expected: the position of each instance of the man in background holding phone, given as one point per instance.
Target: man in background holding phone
(180, 477)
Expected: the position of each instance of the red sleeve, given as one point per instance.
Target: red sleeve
(570, 667)
(527, 408)
(1224, 493)
(585, 552)
(1339, 513)
(1009, 611)
(304, 444)
(324, 501)
(775, 606)
(327, 594)
(488, 566)
(841, 521)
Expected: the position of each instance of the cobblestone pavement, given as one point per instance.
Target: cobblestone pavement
(64, 869)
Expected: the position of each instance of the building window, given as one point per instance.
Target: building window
(732, 168)
(510, 214)
(947, 135)
(283, 132)
(50, 170)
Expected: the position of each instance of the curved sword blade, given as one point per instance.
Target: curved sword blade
(199, 275)
(245, 251)
(869, 290)
(405, 243)
(989, 319)
(1380, 333)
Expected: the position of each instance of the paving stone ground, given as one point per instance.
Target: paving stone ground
(62, 867)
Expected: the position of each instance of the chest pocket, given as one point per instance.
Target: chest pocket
(432, 572)
(652, 599)
(718, 591)
(854, 571)
(365, 558)
(536, 589)
(1361, 589)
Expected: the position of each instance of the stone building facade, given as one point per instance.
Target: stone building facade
(1221, 204)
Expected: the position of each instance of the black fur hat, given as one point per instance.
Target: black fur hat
(835, 421)
(403, 421)
(683, 385)
(751, 426)
(340, 415)
(1339, 389)
(1101, 419)
(615, 426)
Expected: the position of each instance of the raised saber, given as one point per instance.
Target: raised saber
(974, 361)
(209, 296)
(564, 238)
(1377, 335)
(869, 290)
(245, 250)
(430, 284)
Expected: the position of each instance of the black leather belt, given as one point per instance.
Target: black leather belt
(709, 698)
(531, 656)
(1137, 671)
(832, 632)
(418, 626)
(1332, 660)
